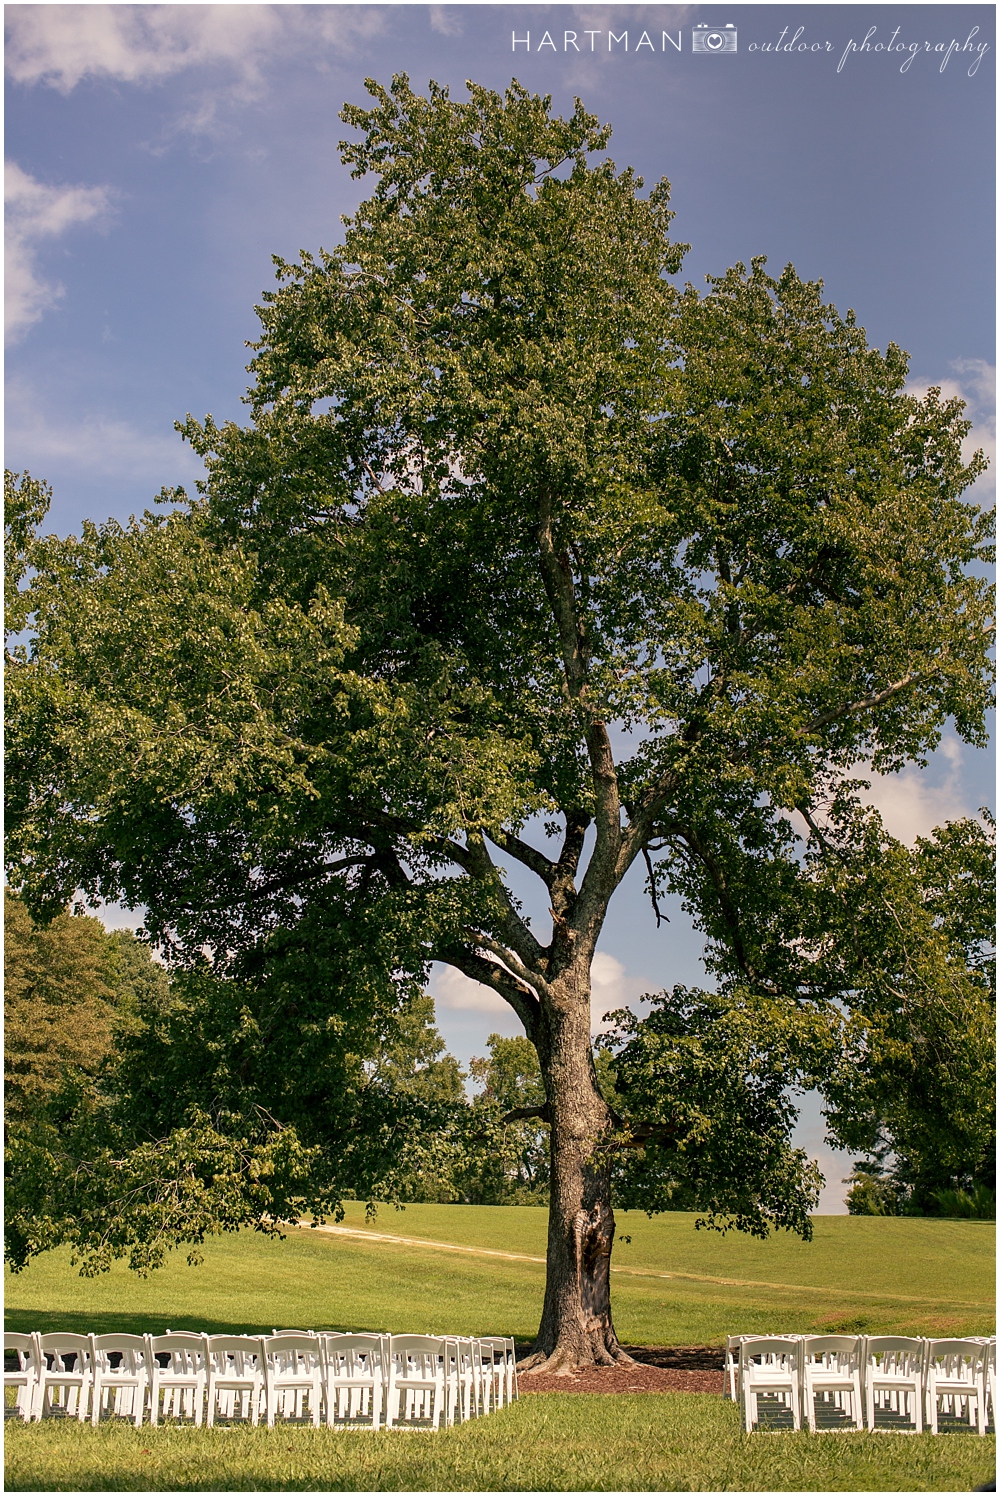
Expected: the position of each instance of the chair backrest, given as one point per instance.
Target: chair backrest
(179, 1343)
(239, 1347)
(500, 1346)
(752, 1346)
(131, 1348)
(62, 1344)
(954, 1347)
(424, 1350)
(26, 1349)
(952, 1351)
(830, 1345)
(288, 1346)
(416, 1344)
(14, 1340)
(894, 1355)
(118, 1342)
(291, 1332)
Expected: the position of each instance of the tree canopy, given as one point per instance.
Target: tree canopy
(527, 555)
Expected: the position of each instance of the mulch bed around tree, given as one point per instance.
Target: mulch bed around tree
(675, 1368)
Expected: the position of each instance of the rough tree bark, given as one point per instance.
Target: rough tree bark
(576, 1327)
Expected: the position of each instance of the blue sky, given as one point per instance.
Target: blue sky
(157, 156)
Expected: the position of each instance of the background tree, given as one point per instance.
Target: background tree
(520, 536)
(912, 1080)
(69, 988)
(144, 1110)
(888, 1008)
(508, 1147)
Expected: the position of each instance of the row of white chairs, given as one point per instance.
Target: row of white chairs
(342, 1381)
(883, 1383)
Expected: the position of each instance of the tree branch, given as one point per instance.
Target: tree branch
(527, 1113)
(536, 861)
(518, 936)
(867, 703)
(290, 880)
(509, 958)
(602, 875)
(520, 996)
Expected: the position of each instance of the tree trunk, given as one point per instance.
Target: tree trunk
(576, 1328)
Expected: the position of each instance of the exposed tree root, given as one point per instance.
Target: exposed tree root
(567, 1358)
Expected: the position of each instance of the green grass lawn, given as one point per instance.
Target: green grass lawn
(679, 1442)
(673, 1286)
(860, 1273)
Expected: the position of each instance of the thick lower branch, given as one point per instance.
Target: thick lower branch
(519, 995)
(528, 1113)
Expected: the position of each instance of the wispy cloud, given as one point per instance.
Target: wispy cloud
(34, 214)
(61, 45)
(93, 445)
(445, 20)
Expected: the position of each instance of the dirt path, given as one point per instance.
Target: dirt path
(633, 1272)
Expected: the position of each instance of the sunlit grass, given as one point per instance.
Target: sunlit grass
(678, 1442)
(859, 1274)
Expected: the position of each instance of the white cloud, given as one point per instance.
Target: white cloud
(910, 805)
(611, 988)
(35, 213)
(976, 385)
(453, 989)
(60, 45)
(445, 20)
(93, 446)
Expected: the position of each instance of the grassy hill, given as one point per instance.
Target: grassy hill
(672, 1285)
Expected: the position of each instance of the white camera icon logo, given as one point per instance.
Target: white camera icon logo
(705, 38)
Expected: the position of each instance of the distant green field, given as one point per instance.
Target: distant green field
(672, 1285)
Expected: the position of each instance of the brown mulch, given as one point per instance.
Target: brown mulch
(675, 1368)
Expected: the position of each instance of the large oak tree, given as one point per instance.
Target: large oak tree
(527, 556)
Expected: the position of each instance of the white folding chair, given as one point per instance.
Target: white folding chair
(235, 1377)
(953, 1372)
(731, 1363)
(504, 1366)
(415, 1396)
(119, 1389)
(23, 1379)
(831, 1371)
(491, 1375)
(893, 1377)
(65, 1376)
(731, 1368)
(463, 1378)
(178, 1376)
(770, 1369)
(293, 1377)
(356, 1371)
(990, 1382)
